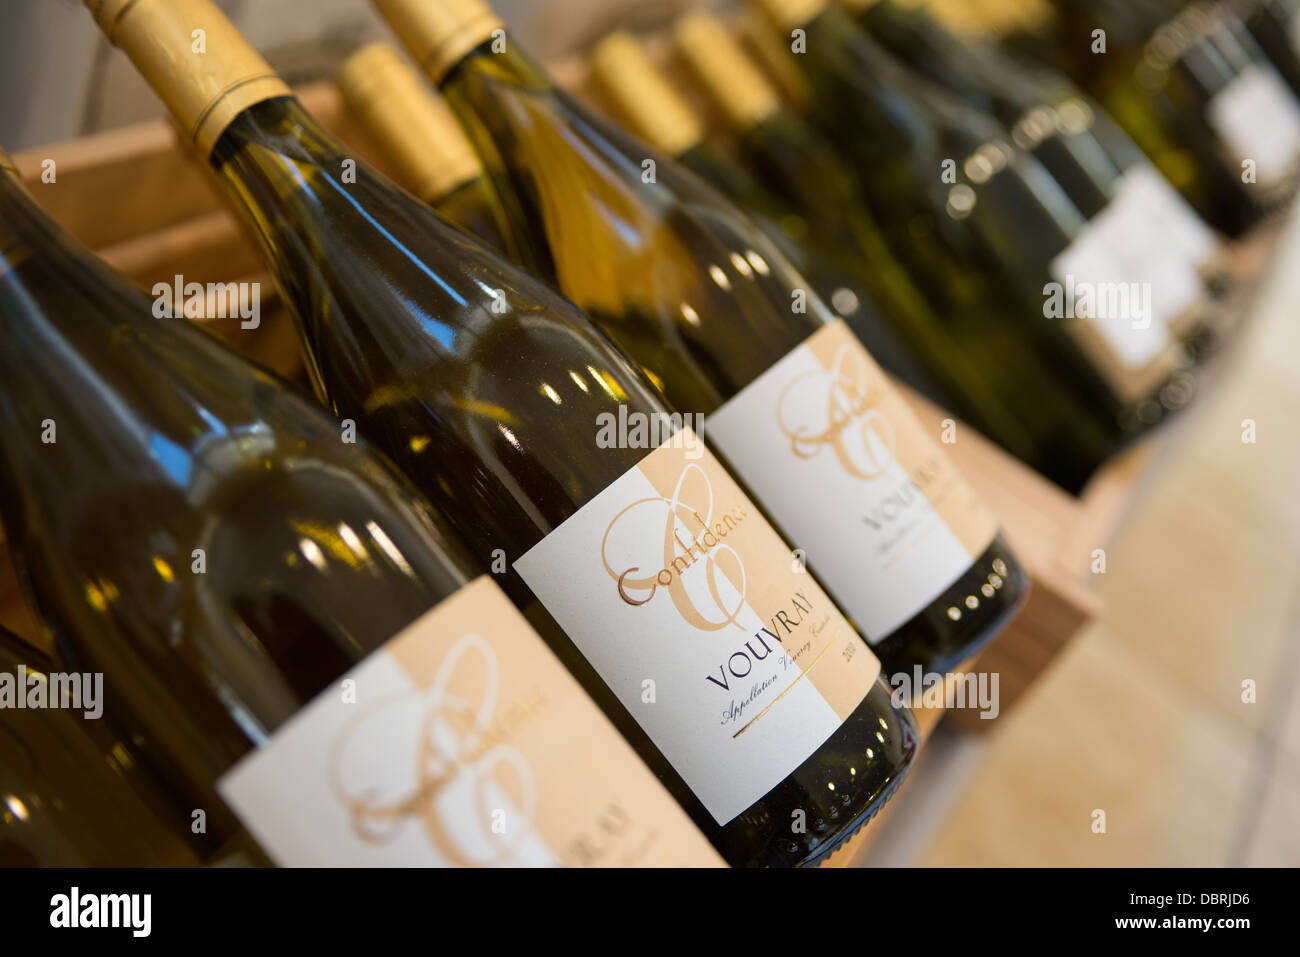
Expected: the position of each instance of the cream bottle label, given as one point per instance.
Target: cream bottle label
(1128, 279)
(836, 457)
(463, 742)
(1181, 232)
(697, 616)
(1258, 119)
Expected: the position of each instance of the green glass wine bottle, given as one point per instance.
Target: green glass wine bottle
(842, 254)
(1191, 88)
(1065, 443)
(1140, 230)
(1059, 138)
(70, 792)
(559, 465)
(418, 134)
(639, 94)
(264, 600)
(956, 195)
(1275, 26)
(691, 288)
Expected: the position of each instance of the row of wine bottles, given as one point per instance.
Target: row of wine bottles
(296, 642)
(982, 225)
(464, 639)
(1206, 89)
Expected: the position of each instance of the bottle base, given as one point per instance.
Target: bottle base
(961, 621)
(825, 854)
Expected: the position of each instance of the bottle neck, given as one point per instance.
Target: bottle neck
(381, 287)
(439, 33)
(852, 56)
(713, 166)
(640, 94)
(487, 89)
(317, 215)
(503, 61)
(473, 207)
(193, 57)
(574, 193)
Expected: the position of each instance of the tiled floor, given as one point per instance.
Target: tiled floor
(1142, 717)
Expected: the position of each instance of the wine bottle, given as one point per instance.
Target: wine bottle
(829, 238)
(936, 160)
(265, 600)
(655, 112)
(559, 465)
(417, 132)
(1057, 135)
(71, 794)
(411, 123)
(1257, 94)
(1275, 26)
(1139, 229)
(1192, 89)
(798, 408)
(1063, 441)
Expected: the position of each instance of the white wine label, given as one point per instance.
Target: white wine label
(1258, 119)
(836, 457)
(1129, 277)
(1181, 230)
(695, 613)
(463, 742)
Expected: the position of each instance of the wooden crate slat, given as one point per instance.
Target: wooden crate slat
(114, 186)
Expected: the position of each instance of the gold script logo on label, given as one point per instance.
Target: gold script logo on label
(455, 748)
(701, 572)
(854, 428)
(465, 775)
